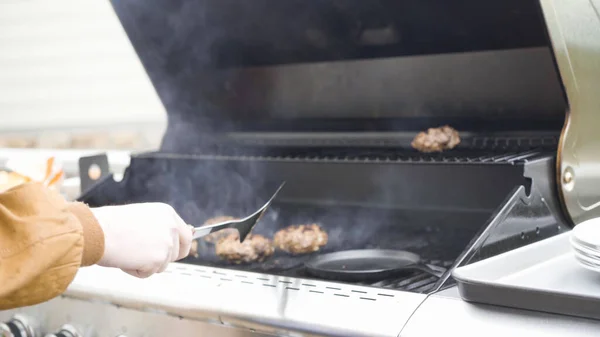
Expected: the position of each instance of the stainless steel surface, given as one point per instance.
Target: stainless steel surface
(244, 226)
(25, 326)
(441, 314)
(255, 302)
(574, 28)
(4, 330)
(66, 330)
(447, 315)
(543, 276)
(110, 320)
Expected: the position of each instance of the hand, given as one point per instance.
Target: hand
(142, 239)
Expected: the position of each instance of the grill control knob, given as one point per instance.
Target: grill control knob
(18, 326)
(66, 331)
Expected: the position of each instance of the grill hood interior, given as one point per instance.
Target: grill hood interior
(223, 66)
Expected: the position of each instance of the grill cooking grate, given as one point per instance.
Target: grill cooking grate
(435, 236)
(473, 149)
(459, 156)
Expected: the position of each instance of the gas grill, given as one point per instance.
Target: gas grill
(250, 107)
(329, 102)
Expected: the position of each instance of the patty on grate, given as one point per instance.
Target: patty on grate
(256, 248)
(301, 239)
(436, 139)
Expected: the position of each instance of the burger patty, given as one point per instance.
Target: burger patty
(436, 139)
(256, 248)
(301, 239)
(216, 236)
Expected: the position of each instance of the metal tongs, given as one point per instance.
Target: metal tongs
(244, 226)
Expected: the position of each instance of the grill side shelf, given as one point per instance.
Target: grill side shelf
(543, 276)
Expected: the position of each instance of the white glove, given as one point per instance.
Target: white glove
(142, 239)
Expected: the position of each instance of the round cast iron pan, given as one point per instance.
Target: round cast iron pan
(364, 265)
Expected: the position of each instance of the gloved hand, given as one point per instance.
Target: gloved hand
(142, 239)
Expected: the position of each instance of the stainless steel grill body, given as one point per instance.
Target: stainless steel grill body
(207, 298)
(122, 306)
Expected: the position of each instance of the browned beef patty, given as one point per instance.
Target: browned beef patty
(436, 139)
(301, 239)
(216, 236)
(256, 248)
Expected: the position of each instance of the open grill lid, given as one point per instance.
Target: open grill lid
(347, 67)
(222, 66)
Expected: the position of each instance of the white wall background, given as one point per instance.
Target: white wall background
(68, 63)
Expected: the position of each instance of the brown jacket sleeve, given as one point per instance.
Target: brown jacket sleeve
(43, 241)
